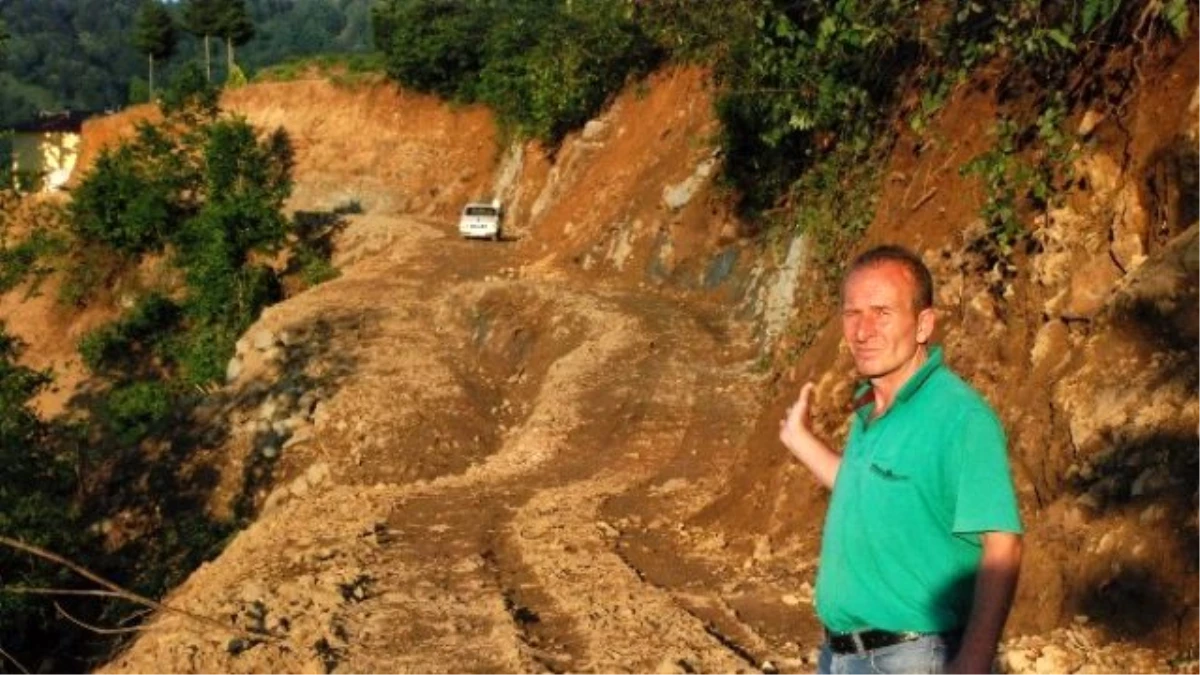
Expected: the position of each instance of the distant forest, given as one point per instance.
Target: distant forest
(80, 54)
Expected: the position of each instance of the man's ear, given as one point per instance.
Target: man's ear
(926, 320)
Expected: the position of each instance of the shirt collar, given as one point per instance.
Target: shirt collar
(864, 399)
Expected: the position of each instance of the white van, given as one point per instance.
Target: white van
(481, 220)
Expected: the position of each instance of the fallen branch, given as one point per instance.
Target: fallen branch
(95, 629)
(26, 590)
(15, 662)
(119, 592)
(927, 196)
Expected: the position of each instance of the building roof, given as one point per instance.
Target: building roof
(50, 121)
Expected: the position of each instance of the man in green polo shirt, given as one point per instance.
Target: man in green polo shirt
(922, 541)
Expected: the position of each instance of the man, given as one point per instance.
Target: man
(922, 540)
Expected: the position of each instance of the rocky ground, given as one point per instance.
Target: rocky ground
(463, 466)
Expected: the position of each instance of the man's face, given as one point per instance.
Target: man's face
(880, 321)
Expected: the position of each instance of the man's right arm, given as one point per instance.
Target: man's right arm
(795, 431)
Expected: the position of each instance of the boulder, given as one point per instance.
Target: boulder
(1130, 228)
(1090, 287)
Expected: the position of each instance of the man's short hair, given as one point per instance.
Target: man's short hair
(912, 263)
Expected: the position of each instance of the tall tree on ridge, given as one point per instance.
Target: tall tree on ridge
(201, 18)
(154, 34)
(233, 24)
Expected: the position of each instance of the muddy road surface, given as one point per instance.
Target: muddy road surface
(502, 471)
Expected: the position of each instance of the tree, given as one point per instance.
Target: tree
(201, 18)
(35, 489)
(234, 25)
(154, 34)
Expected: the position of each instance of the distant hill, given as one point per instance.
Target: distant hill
(78, 53)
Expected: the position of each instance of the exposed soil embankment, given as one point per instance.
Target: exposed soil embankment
(559, 452)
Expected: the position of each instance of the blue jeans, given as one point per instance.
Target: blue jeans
(928, 654)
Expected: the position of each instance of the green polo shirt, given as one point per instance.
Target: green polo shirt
(915, 489)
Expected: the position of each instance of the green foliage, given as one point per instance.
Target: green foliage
(22, 260)
(78, 54)
(35, 488)
(1013, 183)
(154, 35)
(1005, 178)
(190, 95)
(154, 30)
(236, 78)
(133, 411)
(807, 78)
(834, 202)
(123, 203)
(135, 342)
(545, 68)
(209, 190)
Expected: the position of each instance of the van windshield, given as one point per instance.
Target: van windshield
(480, 211)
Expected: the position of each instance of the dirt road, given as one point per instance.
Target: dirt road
(502, 476)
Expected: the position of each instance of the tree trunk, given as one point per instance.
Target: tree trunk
(229, 55)
(151, 58)
(207, 62)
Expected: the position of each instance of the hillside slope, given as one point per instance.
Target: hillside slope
(559, 453)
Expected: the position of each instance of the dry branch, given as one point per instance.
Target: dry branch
(15, 662)
(125, 594)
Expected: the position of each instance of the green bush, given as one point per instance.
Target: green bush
(20, 261)
(135, 341)
(544, 68)
(133, 195)
(133, 411)
(35, 489)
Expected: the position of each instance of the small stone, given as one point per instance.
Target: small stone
(267, 410)
(299, 436)
(299, 487)
(768, 668)
(762, 549)
(1015, 661)
(1090, 287)
(317, 473)
(790, 599)
(269, 451)
(594, 129)
(234, 370)
(263, 340)
(1054, 659)
(277, 497)
(1090, 119)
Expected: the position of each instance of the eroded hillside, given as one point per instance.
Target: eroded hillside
(559, 452)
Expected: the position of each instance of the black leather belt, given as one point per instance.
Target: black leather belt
(867, 640)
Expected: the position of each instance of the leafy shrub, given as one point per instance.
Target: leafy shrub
(190, 94)
(35, 489)
(18, 262)
(133, 411)
(545, 68)
(133, 342)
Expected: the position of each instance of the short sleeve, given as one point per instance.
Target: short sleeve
(984, 498)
